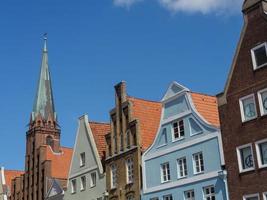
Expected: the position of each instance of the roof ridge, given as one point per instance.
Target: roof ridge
(200, 93)
(13, 170)
(142, 99)
(105, 123)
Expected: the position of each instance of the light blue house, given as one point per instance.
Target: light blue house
(186, 161)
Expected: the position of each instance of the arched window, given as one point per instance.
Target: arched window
(49, 141)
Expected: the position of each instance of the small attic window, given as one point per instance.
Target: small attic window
(259, 56)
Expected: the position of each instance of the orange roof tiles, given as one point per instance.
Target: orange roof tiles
(207, 106)
(148, 113)
(99, 131)
(11, 174)
(61, 162)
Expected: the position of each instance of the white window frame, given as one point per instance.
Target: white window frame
(82, 160)
(255, 67)
(92, 181)
(168, 196)
(245, 197)
(243, 118)
(83, 184)
(113, 175)
(73, 186)
(261, 102)
(241, 170)
(190, 198)
(257, 144)
(179, 131)
(184, 168)
(264, 194)
(194, 163)
(168, 176)
(129, 170)
(208, 195)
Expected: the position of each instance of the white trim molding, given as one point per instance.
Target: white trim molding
(241, 105)
(258, 152)
(245, 197)
(261, 101)
(239, 158)
(254, 61)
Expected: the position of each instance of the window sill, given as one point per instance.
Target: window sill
(178, 139)
(248, 120)
(82, 190)
(198, 173)
(262, 166)
(246, 170)
(164, 182)
(180, 178)
(259, 67)
(92, 186)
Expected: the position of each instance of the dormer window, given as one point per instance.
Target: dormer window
(259, 56)
(178, 130)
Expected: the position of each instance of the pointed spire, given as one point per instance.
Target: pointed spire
(44, 103)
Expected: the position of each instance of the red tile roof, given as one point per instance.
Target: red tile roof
(61, 162)
(148, 113)
(11, 174)
(99, 131)
(207, 107)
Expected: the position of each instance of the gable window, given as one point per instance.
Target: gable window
(83, 183)
(209, 193)
(73, 186)
(259, 56)
(198, 163)
(82, 159)
(261, 148)
(167, 197)
(248, 108)
(189, 195)
(262, 96)
(129, 170)
(245, 158)
(113, 176)
(251, 197)
(165, 172)
(182, 167)
(93, 179)
(178, 130)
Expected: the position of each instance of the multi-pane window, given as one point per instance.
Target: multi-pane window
(165, 172)
(178, 129)
(248, 108)
(93, 179)
(261, 147)
(262, 96)
(167, 197)
(259, 55)
(73, 186)
(251, 197)
(245, 158)
(209, 193)
(182, 167)
(82, 159)
(189, 195)
(113, 176)
(83, 183)
(198, 163)
(130, 170)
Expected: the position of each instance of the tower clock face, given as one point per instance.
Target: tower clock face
(249, 110)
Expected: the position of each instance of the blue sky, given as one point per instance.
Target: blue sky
(95, 44)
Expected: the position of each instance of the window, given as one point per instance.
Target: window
(83, 183)
(182, 167)
(82, 159)
(259, 56)
(178, 130)
(167, 197)
(121, 141)
(248, 108)
(165, 172)
(189, 195)
(261, 148)
(265, 196)
(128, 139)
(198, 163)
(115, 144)
(113, 176)
(73, 186)
(251, 197)
(130, 170)
(130, 197)
(209, 193)
(262, 96)
(245, 158)
(93, 179)
(49, 141)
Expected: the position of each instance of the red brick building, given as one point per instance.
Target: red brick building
(45, 159)
(243, 108)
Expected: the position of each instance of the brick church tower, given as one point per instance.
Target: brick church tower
(45, 160)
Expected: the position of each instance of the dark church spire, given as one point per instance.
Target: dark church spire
(44, 102)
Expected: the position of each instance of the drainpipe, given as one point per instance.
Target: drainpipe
(223, 175)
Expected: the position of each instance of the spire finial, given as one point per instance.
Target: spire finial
(45, 41)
